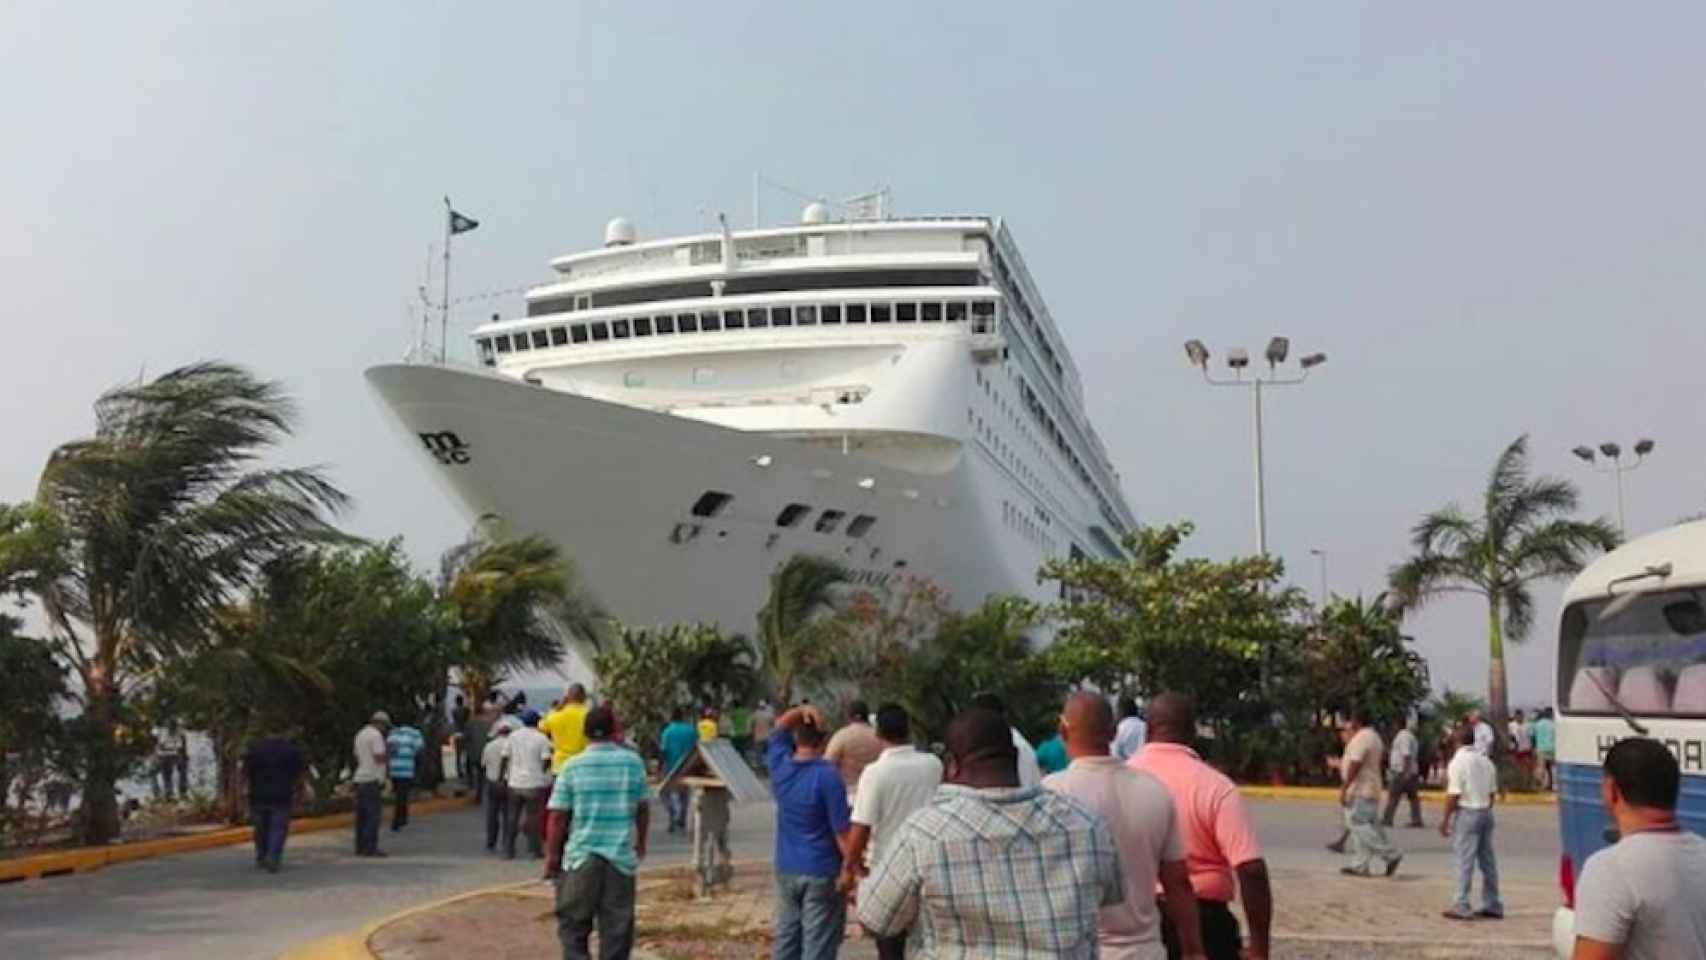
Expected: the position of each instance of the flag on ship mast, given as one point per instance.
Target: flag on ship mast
(460, 223)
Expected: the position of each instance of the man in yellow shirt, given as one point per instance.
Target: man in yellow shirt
(708, 724)
(566, 726)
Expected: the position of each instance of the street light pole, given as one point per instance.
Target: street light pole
(1617, 468)
(1238, 358)
(1321, 555)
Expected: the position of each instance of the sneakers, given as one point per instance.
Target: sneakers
(1456, 914)
(1337, 846)
(1490, 914)
(1354, 872)
(1392, 864)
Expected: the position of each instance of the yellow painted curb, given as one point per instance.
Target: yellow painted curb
(1431, 796)
(84, 859)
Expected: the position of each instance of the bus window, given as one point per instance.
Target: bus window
(1646, 654)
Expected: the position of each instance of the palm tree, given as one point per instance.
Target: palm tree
(518, 605)
(794, 635)
(1525, 533)
(159, 519)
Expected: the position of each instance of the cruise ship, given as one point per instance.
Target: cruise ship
(686, 413)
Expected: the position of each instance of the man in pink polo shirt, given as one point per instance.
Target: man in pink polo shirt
(1220, 840)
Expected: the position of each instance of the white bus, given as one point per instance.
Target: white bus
(1631, 663)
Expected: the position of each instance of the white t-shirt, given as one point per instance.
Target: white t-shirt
(1141, 816)
(1647, 891)
(492, 757)
(1472, 779)
(368, 741)
(1484, 738)
(529, 759)
(1403, 756)
(1521, 740)
(1129, 737)
(900, 781)
(1367, 748)
(1030, 775)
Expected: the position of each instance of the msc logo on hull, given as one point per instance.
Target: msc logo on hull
(445, 446)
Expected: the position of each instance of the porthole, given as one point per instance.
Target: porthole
(711, 503)
(792, 514)
(828, 521)
(860, 525)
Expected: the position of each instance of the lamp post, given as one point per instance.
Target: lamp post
(1616, 467)
(1238, 359)
(1321, 555)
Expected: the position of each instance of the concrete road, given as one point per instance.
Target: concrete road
(215, 904)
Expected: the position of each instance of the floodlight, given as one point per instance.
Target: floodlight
(1611, 450)
(1197, 352)
(1643, 447)
(1278, 348)
(1313, 360)
(1237, 358)
(1586, 453)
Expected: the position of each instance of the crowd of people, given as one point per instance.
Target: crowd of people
(1113, 838)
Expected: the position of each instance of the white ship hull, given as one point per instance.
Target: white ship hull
(616, 486)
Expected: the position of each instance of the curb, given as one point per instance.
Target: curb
(1428, 796)
(84, 859)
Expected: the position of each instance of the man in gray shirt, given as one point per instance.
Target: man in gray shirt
(1644, 897)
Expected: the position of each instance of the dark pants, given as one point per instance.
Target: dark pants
(1404, 785)
(891, 948)
(525, 807)
(402, 787)
(369, 810)
(164, 769)
(272, 825)
(597, 892)
(497, 813)
(1220, 939)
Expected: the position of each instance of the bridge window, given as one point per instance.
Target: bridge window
(710, 322)
(956, 312)
(855, 313)
(881, 313)
(541, 339)
(860, 525)
(711, 503)
(664, 324)
(577, 333)
(559, 336)
(805, 316)
(983, 316)
(601, 331)
(932, 312)
(828, 521)
(757, 317)
(832, 313)
(792, 513)
(642, 326)
(521, 344)
(619, 328)
(733, 320)
(687, 323)
(781, 316)
(906, 313)
(501, 341)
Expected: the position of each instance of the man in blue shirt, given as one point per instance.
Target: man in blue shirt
(401, 746)
(679, 739)
(812, 829)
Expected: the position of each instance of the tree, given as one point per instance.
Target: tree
(153, 524)
(1524, 533)
(1153, 621)
(1356, 656)
(649, 673)
(32, 686)
(797, 622)
(515, 601)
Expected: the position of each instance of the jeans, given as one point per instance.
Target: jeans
(369, 810)
(401, 786)
(164, 768)
(811, 916)
(595, 891)
(675, 801)
(1368, 838)
(272, 825)
(1472, 844)
(1221, 938)
(1404, 785)
(497, 813)
(525, 809)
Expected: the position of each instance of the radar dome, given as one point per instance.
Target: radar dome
(814, 213)
(619, 232)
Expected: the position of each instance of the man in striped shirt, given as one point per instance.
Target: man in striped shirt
(603, 795)
(1055, 856)
(402, 745)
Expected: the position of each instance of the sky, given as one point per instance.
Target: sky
(1488, 216)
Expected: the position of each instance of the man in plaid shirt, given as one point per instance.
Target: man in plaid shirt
(991, 869)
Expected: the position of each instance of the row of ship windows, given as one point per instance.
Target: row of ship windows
(1020, 521)
(981, 313)
(713, 502)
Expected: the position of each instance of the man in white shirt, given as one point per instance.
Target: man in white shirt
(1483, 733)
(1360, 797)
(529, 782)
(1403, 776)
(1140, 814)
(1643, 897)
(1129, 737)
(1471, 781)
(494, 768)
(1030, 774)
(369, 780)
(900, 781)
